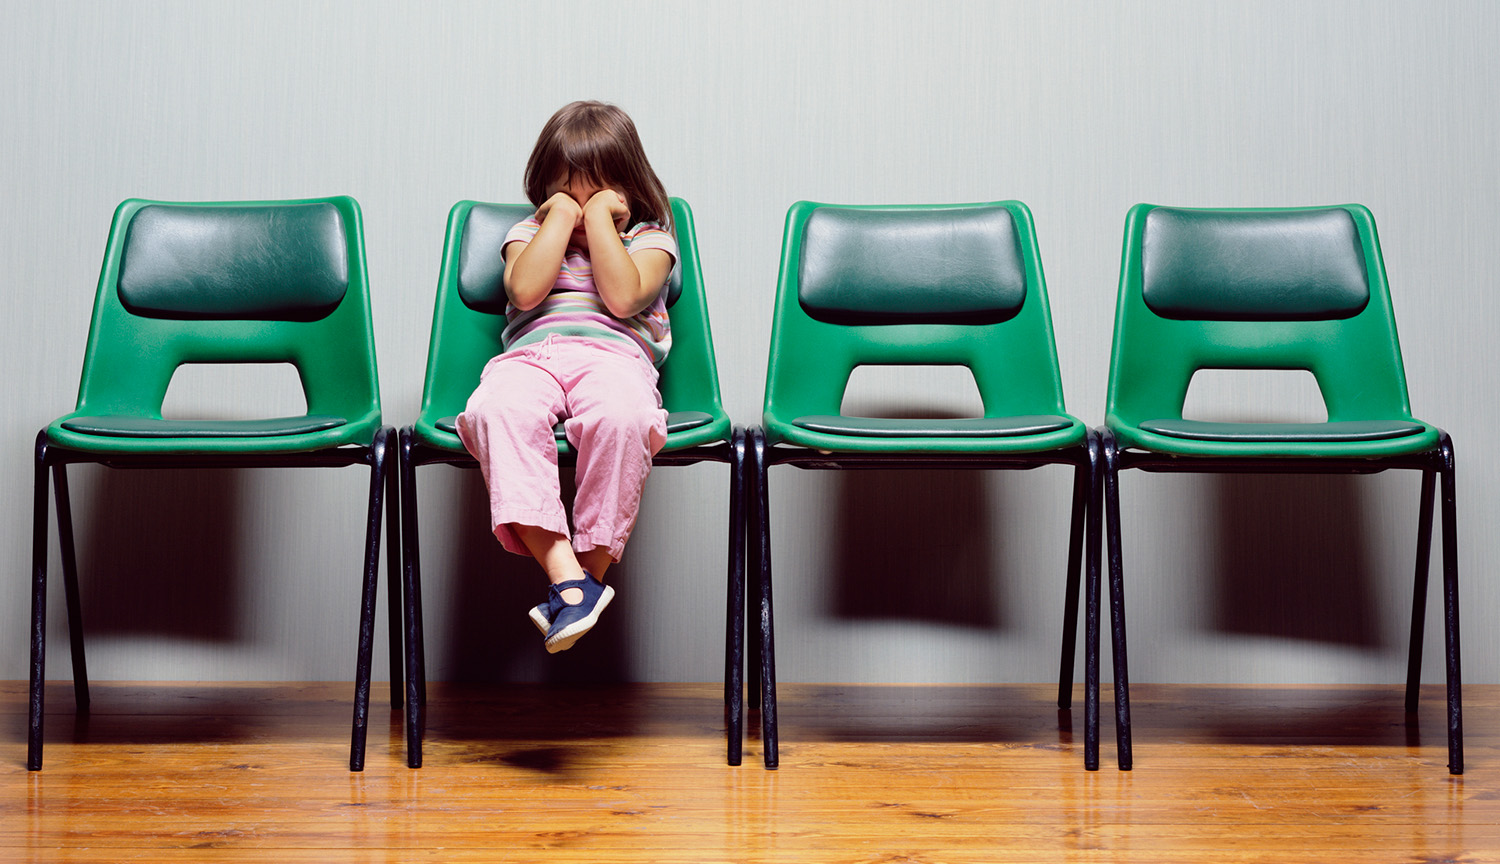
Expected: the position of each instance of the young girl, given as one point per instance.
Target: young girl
(585, 329)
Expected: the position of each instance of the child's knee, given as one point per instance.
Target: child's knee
(628, 426)
(641, 421)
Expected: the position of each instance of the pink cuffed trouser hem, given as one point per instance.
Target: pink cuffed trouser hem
(605, 395)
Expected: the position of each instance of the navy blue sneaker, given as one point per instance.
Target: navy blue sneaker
(566, 623)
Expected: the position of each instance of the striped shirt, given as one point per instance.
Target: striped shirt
(574, 308)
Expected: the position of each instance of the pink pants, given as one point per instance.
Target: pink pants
(605, 394)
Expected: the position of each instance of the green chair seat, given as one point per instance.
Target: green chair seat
(148, 427)
(1296, 433)
(964, 427)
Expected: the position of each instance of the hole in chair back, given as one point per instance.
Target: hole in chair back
(912, 392)
(1254, 396)
(234, 391)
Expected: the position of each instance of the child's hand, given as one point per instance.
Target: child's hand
(613, 204)
(561, 204)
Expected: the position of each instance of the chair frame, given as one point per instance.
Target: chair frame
(1083, 553)
(54, 460)
(420, 444)
(1434, 465)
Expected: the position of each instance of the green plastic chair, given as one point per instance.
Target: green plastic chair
(1298, 288)
(466, 327)
(252, 282)
(915, 285)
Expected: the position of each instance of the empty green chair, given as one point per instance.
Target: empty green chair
(253, 282)
(916, 285)
(1300, 288)
(466, 327)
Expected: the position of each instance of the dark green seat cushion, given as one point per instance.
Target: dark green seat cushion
(481, 258)
(1320, 433)
(1300, 265)
(146, 427)
(957, 265)
(677, 421)
(966, 427)
(280, 263)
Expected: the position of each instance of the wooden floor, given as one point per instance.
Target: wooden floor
(637, 774)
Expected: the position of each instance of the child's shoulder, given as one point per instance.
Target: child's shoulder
(523, 230)
(648, 233)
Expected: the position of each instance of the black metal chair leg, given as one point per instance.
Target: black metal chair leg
(393, 578)
(70, 587)
(734, 660)
(751, 610)
(1117, 600)
(367, 603)
(38, 606)
(1081, 480)
(768, 719)
(1450, 609)
(1419, 592)
(1091, 613)
(410, 545)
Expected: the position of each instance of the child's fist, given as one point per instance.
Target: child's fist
(614, 204)
(560, 204)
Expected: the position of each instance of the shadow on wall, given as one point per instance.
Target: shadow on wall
(487, 636)
(914, 546)
(1290, 559)
(158, 551)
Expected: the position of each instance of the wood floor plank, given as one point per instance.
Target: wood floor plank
(181, 772)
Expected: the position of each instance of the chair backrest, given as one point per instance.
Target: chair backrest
(237, 282)
(911, 285)
(469, 316)
(1295, 288)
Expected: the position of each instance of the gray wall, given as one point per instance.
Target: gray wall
(1079, 109)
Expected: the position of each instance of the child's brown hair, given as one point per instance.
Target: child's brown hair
(597, 141)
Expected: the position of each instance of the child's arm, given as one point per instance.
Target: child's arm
(626, 283)
(531, 268)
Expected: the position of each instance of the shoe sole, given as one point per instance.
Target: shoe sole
(538, 616)
(573, 632)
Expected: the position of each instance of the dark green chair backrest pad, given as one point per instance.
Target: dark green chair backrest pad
(1354, 354)
(1253, 266)
(285, 263)
(939, 266)
(481, 260)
